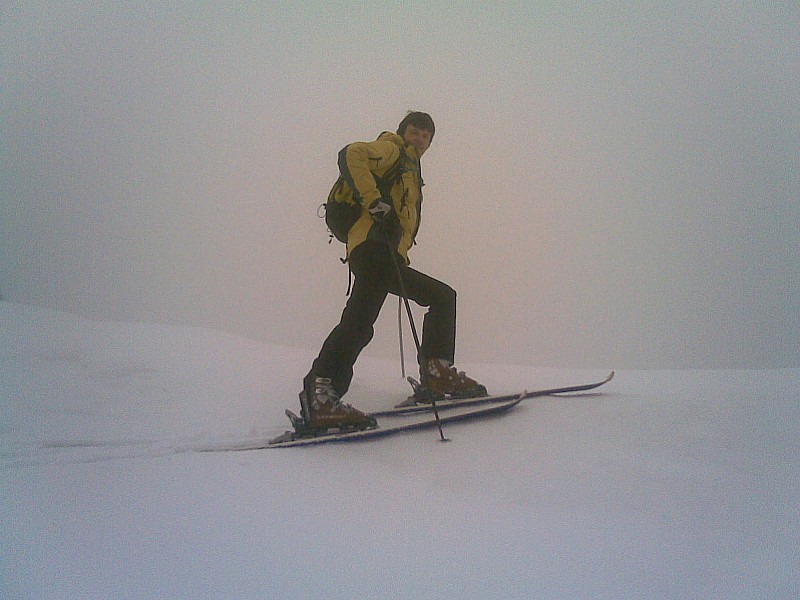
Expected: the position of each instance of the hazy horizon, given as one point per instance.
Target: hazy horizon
(610, 186)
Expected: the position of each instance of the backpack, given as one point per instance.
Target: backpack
(343, 209)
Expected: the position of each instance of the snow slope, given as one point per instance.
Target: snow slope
(661, 485)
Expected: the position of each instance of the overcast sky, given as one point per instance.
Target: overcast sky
(611, 185)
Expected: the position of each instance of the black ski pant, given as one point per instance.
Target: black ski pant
(375, 278)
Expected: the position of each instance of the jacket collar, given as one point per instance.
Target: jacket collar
(395, 138)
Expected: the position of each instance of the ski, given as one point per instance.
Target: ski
(290, 438)
(454, 411)
(445, 404)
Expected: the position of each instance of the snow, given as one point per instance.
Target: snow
(679, 484)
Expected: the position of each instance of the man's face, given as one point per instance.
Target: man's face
(419, 138)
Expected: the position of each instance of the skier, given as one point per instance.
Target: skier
(384, 178)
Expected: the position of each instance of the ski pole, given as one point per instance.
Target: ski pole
(420, 357)
(400, 335)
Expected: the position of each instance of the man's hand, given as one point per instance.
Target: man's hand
(387, 223)
(379, 210)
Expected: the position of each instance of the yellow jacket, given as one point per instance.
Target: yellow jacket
(389, 159)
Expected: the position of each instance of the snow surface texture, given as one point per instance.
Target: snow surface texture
(659, 485)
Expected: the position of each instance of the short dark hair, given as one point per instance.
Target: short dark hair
(420, 120)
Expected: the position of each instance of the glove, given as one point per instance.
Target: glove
(379, 210)
(387, 223)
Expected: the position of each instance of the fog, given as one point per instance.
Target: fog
(610, 186)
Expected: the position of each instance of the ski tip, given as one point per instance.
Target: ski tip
(610, 376)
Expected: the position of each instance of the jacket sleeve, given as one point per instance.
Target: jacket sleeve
(359, 162)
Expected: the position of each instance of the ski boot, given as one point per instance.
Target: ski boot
(440, 379)
(322, 410)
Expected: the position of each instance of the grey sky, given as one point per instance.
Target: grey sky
(614, 186)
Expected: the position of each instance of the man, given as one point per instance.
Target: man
(384, 179)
